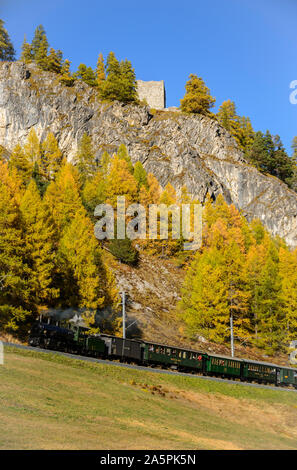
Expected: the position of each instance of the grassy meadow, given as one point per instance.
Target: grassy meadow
(53, 402)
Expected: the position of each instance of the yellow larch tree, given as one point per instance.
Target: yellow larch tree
(40, 243)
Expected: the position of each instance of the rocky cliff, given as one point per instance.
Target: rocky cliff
(183, 150)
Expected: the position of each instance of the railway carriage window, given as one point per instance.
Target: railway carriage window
(168, 351)
(151, 348)
(185, 355)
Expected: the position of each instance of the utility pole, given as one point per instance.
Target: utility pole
(231, 320)
(232, 334)
(124, 313)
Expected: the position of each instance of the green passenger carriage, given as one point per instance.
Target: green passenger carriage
(172, 356)
(223, 366)
(260, 372)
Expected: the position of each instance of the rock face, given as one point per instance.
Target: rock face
(183, 150)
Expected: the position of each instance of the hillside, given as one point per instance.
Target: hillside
(51, 402)
(183, 150)
(153, 290)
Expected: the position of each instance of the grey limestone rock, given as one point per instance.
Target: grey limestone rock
(184, 150)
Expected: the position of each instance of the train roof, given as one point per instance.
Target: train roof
(173, 347)
(119, 337)
(270, 364)
(221, 356)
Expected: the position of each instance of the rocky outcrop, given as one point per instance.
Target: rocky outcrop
(183, 150)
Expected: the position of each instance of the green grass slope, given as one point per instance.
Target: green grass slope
(53, 402)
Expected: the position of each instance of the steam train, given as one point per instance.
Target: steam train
(77, 340)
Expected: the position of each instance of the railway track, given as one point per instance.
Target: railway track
(148, 369)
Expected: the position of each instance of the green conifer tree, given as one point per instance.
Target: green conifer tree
(120, 83)
(66, 78)
(7, 51)
(140, 175)
(39, 41)
(123, 154)
(85, 74)
(54, 61)
(100, 71)
(26, 55)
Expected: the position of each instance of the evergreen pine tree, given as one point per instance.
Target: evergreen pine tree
(85, 74)
(124, 251)
(54, 61)
(123, 154)
(100, 71)
(26, 55)
(120, 83)
(268, 155)
(66, 78)
(7, 51)
(140, 175)
(39, 41)
(292, 181)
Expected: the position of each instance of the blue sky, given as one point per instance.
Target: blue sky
(245, 50)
